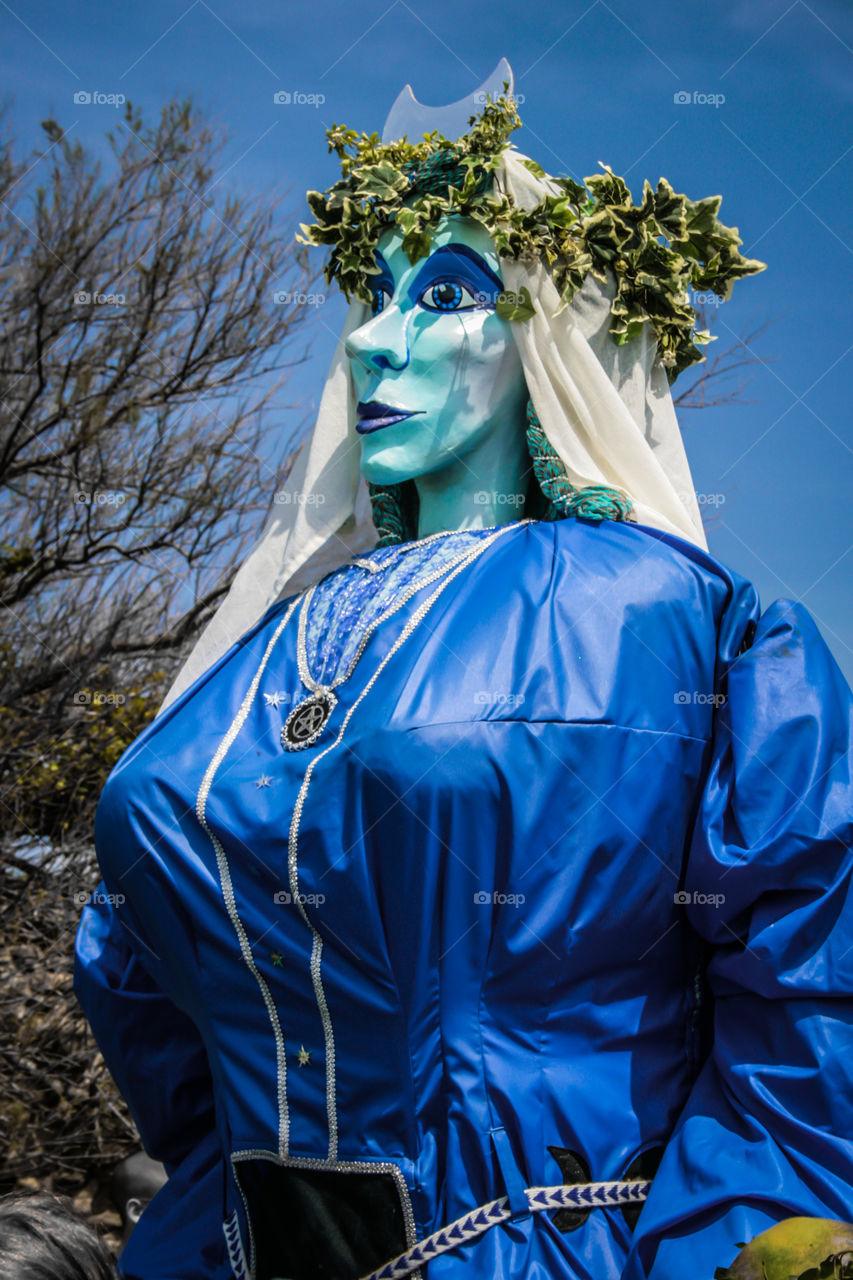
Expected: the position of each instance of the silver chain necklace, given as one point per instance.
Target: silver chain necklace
(308, 718)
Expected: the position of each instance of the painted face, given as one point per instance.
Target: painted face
(435, 369)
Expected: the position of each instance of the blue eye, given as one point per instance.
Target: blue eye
(450, 295)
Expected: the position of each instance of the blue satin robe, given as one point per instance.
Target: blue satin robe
(596, 806)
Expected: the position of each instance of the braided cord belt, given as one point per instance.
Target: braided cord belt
(587, 1195)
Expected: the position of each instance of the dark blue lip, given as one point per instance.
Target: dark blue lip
(373, 415)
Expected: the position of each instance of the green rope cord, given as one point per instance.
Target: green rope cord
(394, 507)
(594, 502)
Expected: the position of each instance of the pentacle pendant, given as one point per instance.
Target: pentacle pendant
(307, 720)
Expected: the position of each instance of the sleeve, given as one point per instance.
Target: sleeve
(152, 1049)
(157, 1058)
(767, 1131)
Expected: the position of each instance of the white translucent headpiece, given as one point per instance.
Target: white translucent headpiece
(607, 411)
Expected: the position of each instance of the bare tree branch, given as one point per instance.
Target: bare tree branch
(141, 346)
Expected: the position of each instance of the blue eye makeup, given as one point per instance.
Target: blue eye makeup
(381, 286)
(454, 278)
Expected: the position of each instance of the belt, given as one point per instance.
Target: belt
(587, 1195)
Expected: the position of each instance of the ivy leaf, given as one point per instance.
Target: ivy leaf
(416, 245)
(575, 192)
(670, 211)
(627, 327)
(702, 215)
(535, 169)
(609, 189)
(515, 306)
(406, 219)
(382, 181)
(316, 203)
(562, 214)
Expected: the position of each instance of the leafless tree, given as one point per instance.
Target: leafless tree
(141, 348)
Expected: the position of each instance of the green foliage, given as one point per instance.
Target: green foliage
(657, 250)
(55, 760)
(512, 306)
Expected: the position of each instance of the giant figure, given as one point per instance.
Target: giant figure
(484, 881)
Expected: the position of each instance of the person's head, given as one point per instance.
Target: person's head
(136, 1181)
(43, 1238)
(437, 350)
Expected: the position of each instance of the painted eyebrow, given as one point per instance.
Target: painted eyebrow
(386, 276)
(465, 251)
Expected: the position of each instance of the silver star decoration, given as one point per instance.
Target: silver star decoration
(274, 699)
(263, 781)
(303, 1057)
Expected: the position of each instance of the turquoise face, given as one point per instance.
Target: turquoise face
(437, 374)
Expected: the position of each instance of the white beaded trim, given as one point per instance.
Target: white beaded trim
(228, 888)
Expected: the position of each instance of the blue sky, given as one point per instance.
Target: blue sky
(599, 81)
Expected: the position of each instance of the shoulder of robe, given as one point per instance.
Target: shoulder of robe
(646, 567)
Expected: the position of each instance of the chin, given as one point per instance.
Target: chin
(390, 464)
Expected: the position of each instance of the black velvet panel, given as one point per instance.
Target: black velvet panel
(321, 1224)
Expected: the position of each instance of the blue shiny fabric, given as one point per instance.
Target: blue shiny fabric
(579, 867)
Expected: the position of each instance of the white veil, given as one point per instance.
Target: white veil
(606, 410)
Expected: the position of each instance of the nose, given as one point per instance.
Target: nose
(382, 342)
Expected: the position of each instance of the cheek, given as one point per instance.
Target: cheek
(435, 347)
(467, 344)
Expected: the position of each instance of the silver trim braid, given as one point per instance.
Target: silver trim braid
(225, 877)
